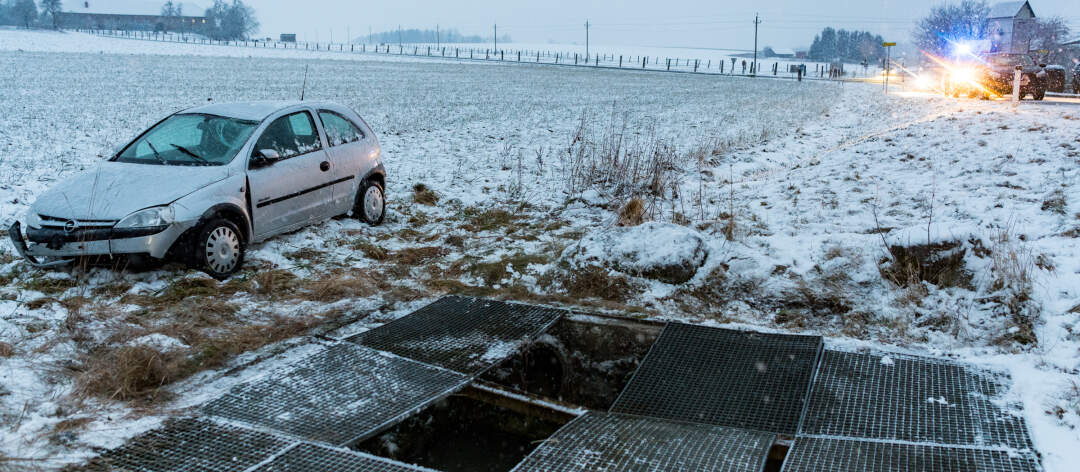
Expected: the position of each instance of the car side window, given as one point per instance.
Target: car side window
(290, 136)
(339, 130)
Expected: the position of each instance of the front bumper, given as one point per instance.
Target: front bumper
(47, 243)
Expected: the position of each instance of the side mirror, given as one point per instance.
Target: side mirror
(264, 157)
(1042, 65)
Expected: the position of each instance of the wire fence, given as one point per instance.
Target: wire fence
(786, 68)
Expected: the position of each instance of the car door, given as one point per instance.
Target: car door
(347, 148)
(293, 187)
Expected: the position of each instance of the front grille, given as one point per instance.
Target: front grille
(57, 222)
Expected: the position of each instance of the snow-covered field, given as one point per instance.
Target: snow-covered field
(773, 209)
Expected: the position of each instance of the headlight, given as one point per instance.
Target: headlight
(964, 75)
(29, 219)
(157, 216)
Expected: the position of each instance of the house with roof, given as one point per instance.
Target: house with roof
(1010, 26)
(131, 15)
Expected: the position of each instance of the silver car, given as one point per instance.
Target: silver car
(204, 183)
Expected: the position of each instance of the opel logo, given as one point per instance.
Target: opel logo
(70, 226)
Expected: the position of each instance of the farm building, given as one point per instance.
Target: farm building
(1010, 27)
(130, 15)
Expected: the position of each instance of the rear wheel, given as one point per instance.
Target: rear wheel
(1038, 94)
(370, 203)
(219, 248)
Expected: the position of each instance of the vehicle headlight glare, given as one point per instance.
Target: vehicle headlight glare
(157, 216)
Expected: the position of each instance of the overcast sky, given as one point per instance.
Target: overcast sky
(679, 23)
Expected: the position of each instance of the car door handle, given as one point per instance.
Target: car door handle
(324, 166)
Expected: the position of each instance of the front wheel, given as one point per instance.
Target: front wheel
(1038, 94)
(219, 248)
(370, 203)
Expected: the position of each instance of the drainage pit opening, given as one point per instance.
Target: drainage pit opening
(476, 430)
(582, 360)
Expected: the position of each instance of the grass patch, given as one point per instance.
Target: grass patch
(48, 286)
(128, 373)
(418, 255)
(596, 282)
(494, 272)
(371, 251)
(424, 195)
(6, 349)
(477, 220)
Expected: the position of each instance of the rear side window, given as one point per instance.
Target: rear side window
(339, 130)
(290, 136)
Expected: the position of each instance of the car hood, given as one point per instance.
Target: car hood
(114, 190)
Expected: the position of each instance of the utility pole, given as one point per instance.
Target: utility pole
(438, 40)
(399, 41)
(757, 21)
(586, 39)
(496, 36)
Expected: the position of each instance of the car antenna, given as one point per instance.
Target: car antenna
(304, 88)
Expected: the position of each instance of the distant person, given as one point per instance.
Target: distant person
(744, 66)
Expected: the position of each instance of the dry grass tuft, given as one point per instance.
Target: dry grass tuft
(339, 285)
(632, 213)
(6, 349)
(596, 282)
(424, 195)
(273, 282)
(418, 255)
(371, 251)
(128, 373)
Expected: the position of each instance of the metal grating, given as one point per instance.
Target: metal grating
(190, 445)
(310, 457)
(908, 398)
(723, 377)
(600, 441)
(463, 334)
(846, 455)
(339, 395)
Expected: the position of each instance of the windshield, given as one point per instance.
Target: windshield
(191, 140)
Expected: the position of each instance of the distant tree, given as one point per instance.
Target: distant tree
(948, 23)
(25, 12)
(409, 36)
(168, 10)
(230, 22)
(52, 9)
(1047, 34)
(848, 46)
(768, 51)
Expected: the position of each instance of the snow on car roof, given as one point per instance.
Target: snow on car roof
(256, 111)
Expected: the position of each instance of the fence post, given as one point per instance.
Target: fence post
(501, 55)
(597, 60)
(620, 61)
(519, 56)
(575, 58)
(537, 57)
(669, 64)
(643, 61)
(695, 65)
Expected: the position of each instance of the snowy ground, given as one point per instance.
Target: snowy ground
(774, 211)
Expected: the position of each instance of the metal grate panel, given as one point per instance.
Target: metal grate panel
(607, 441)
(190, 445)
(845, 455)
(723, 377)
(338, 395)
(310, 457)
(908, 398)
(463, 334)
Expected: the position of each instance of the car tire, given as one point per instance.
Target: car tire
(219, 248)
(370, 206)
(1038, 94)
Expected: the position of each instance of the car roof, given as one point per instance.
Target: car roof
(254, 111)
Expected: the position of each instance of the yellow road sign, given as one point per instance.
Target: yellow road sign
(888, 45)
